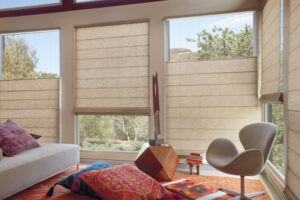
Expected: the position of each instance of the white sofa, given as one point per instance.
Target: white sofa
(32, 166)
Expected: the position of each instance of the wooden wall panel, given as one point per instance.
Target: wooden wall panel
(33, 104)
(293, 135)
(112, 67)
(208, 100)
(271, 41)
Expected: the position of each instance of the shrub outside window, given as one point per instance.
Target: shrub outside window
(112, 132)
(211, 37)
(275, 115)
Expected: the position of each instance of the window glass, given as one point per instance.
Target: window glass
(30, 55)
(275, 115)
(9, 4)
(112, 132)
(211, 37)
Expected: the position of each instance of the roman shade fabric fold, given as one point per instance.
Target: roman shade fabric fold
(209, 99)
(112, 69)
(271, 45)
(32, 104)
(292, 178)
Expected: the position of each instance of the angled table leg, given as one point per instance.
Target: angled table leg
(191, 167)
(198, 169)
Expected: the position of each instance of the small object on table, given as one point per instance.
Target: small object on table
(194, 159)
(159, 162)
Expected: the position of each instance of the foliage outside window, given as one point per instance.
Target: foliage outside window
(113, 132)
(275, 111)
(211, 37)
(30, 55)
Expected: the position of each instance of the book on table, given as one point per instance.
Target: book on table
(194, 158)
(196, 153)
(195, 191)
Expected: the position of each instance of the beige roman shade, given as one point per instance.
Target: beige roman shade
(33, 104)
(208, 100)
(271, 40)
(112, 69)
(292, 190)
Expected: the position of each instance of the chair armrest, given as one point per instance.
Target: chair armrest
(221, 150)
(247, 163)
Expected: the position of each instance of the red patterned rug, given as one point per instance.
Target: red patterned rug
(38, 191)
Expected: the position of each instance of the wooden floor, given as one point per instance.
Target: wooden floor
(38, 191)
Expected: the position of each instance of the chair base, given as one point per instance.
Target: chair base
(237, 196)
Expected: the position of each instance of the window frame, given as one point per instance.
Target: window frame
(67, 5)
(36, 31)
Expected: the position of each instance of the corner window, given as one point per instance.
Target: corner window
(274, 114)
(112, 132)
(211, 37)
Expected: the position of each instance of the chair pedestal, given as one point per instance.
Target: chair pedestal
(241, 195)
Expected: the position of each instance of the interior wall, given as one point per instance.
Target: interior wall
(155, 12)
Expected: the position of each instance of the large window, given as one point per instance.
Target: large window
(211, 37)
(29, 82)
(112, 77)
(113, 132)
(274, 114)
(211, 86)
(12, 4)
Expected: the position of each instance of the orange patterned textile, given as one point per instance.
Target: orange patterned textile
(124, 182)
(38, 191)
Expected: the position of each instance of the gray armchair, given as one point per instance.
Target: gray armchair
(257, 140)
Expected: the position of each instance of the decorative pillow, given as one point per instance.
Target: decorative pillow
(67, 182)
(35, 136)
(14, 139)
(123, 182)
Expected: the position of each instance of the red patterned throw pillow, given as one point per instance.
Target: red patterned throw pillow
(14, 139)
(124, 182)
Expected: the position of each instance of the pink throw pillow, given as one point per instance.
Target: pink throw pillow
(124, 182)
(35, 136)
(14, 139)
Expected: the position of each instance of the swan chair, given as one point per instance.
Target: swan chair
(257, 139)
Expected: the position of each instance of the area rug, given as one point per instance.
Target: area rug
(38, 191)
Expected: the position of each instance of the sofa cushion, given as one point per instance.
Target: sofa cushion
(32, 166)
(123, 182)
(68, 181)
(14, 139)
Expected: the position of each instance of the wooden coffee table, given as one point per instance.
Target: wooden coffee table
(160, 162)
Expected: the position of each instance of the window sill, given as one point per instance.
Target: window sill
(277, 179)
(108, 155)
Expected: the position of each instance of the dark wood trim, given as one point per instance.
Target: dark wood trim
(69, 5)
